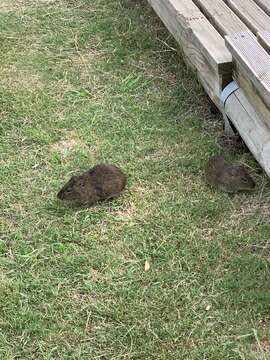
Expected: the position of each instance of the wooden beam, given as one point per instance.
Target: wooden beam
(253, 130)
(203, 47)
(264, 40)
(251, 93)
(251, 14)
(265, 5)
(253, 61)
(194, 32)
(221, 16)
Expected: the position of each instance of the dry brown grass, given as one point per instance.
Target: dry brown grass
(16, 79)
(65, 146)
(22, 5)
(73, 281)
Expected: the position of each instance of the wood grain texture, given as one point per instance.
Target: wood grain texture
(221, 16)
(264, 4)
(251, 93)
(251, 14)
(251, 127)
(264, 40)
(254, 62)
(195, 33)
(199, 26)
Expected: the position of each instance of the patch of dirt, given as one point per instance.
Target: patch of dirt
(139, 189)
(262, 249)
(83, 299)
(69, 144)
(5, 283)
(64, 146)
(8, 224)
(11, 5)
(21, 5)
(162, 153)
(20, 79)
(155, 72)
(47, 1)
(125, 213)
(248, 207)
(261, 350)
(265, 344)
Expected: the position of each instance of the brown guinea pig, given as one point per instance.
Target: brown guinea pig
(227, 177)
(99, 183)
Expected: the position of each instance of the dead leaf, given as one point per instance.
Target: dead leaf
(146, 266)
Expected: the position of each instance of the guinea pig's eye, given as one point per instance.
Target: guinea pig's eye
(245, 180)
(68, 190)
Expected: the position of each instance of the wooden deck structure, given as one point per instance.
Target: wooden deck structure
(226, 41)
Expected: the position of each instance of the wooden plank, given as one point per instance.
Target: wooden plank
(221, 16)
(251, 127)
(264, 40)
(251, 94)
(251, 14)
(191, 30)
(199, 39)
(253, 61)
(265, 5)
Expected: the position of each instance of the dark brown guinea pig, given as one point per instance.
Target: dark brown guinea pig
(99, 183)
(228, 177)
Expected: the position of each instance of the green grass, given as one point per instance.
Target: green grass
(98, 80)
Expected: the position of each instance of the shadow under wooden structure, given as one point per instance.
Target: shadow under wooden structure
(227, 42)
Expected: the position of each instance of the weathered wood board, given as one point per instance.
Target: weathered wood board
(253, 64)
(202, 44)
(251, 126)
(251, 14)
(189, 24)
(264, 40)
(221, 16)
(264, 4)
(201, 27)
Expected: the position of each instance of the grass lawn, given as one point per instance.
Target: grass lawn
(85, 81)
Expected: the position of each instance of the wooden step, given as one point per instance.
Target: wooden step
(192, 30)
(264, 4)
(203, 47)
(252, 69)
(200, 26)
(221, 16)
(264, 40)
(251, 14)
(251, 126)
